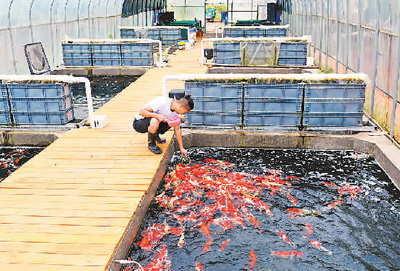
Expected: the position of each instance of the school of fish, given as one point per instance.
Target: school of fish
(211, 193)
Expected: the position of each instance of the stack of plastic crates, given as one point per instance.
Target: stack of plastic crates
(333, 105)
(5, 117)
(272, 104)
(137, 54)
(41, 103)
(77, 54)
(293, 53)
(169, 36)
(217, 104)
(106, 54)
(227, 53)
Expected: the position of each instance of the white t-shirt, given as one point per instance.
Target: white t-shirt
(160, 105)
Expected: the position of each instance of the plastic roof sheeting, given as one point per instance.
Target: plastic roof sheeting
(133, 7)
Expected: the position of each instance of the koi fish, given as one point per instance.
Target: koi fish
(181, 241)
(161, 262)
(318, 245)
(309, 230)
(285, 238)
(224, 244)
(253, 258)
(151, 238)
(330, 184)
(333, 204)
(255, 222)
(288, 254)
(293, 212)
(206, 247)
(205, 230)
(352, 189)
(199, 267)
(274, 172)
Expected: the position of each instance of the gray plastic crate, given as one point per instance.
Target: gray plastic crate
(43, 117)
(334, 105)
(5, 118)
(76, 54)
(276, 32)
(137, 61)
(38, 90)
(272, 119)
(215, 103)
(107, 61)
(227, 46)
(334, 90)
(332, 119)
(233, 33)
(49, 105)
(292, 61)
(231, 61)
(4, 105)
(77, 61)
(254, 32)
(127, 33)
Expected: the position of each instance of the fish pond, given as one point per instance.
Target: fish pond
(11, 158)
(260, 209)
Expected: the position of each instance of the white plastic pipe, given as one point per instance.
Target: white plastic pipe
(298, 77)
(56, 78)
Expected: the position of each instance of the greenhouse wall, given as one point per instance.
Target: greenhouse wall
(355, 36)
(48, 21)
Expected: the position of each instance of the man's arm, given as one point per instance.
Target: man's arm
(147, 112)
(178, 135)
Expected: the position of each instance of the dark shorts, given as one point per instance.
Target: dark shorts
(142, 126)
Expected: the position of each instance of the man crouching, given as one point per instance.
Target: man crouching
(158, 116)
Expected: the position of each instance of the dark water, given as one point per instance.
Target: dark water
(103, 90)
(363, 233)
(12, 158)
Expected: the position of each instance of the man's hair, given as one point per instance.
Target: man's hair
(187, 102)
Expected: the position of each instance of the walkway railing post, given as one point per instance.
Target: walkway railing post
(327, 37)
(337, 36)
(359, 36)
(11, 38)
(322, 34)
(375, 57)
(347, 52)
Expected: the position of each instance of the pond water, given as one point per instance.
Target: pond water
(104, 88)
(259, 209)
(11, 158)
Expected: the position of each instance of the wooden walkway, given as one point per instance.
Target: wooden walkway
(68, 207)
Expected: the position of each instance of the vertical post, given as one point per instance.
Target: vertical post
(327, 37)
(227, 10)
(396, 84)
(11, 37)
(322, 33)
(337, 36)
(78, 18)
(347, 35)
(376, 57)
(90, 1)
(51, 31)
(359, 36)
(107, 19)
(65, 17)
(205, 16)
(315, 29)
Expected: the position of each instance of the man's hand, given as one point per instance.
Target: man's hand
(184, 152)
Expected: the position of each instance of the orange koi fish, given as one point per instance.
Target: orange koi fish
(206, 247)
(330, 184)
(199, 267)
(205, 230)
(333, 204)
(274, 172)
(288, 254)
(352, 189)
(224, 244)
(309, 230)
(293, 212)
(318, 245)
(255, 222)
(181, 241)
(151, 238)
(161, 262)
(253, 258)
(285, 238)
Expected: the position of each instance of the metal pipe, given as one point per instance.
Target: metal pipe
(107, 18)
(359, 36)
(322, 33)
(51, 31)
(79, 19)
(30, 21)
(90, 2)
(11, 37)
(327, 37)
(396, 86)
(62, 78)
(375, 58)
(337, 36)
(347, 35)
(298, 77)
(65, 17)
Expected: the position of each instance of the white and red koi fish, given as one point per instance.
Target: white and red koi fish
(309, 230)
(351, 189)
(288, 254)
(318, 245)
(293, 212)
(285, 238)
(161, 262)
(255, 222)
(199, 267)
(333, 204)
